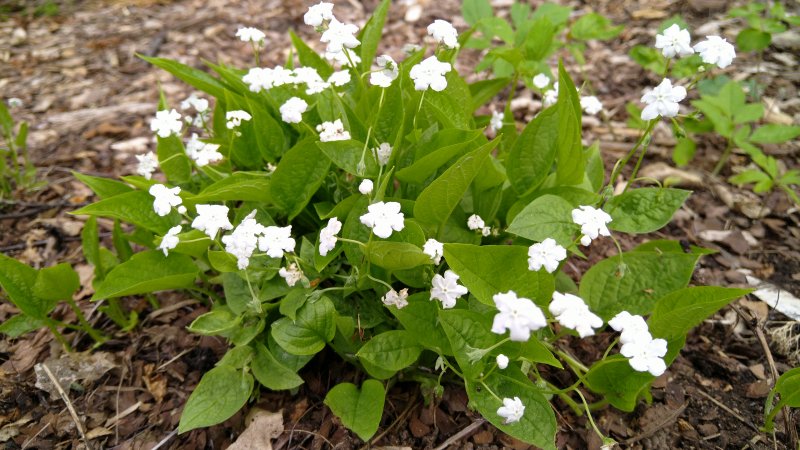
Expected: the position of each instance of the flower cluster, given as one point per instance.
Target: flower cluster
(644, 353)
(662, 101)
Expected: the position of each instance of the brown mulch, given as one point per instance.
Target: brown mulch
(88, 99)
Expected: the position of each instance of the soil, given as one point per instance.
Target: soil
(88, 99)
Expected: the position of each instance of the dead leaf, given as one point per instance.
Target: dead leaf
(262, 428)
(82, 368)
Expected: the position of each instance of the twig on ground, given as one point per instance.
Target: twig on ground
(727, 410)
(758, 327)
(649, 431)
(30, 440)
(461, 434)
(166, 439)
(400, 419)
(70, 408)
(315, 434)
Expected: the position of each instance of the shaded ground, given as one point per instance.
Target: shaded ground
(89, 100)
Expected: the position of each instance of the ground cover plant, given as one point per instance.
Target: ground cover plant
(351, 202)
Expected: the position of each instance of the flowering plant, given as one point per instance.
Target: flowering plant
(352, 202)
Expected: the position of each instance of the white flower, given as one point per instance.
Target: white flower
(166, 123)
(591, 105)
(211, 218)
(387, 72)
(592, 222)
(663, 100)
(339, 36)
(318, 14)
(332, 131)
(485, 231)
(512, 410)
(434, 249)
(327, 236)
(646, 355)
(632, 328)
(365, 187)
(547, 254)
(14, 102)
(235, 118)
(716, 50)
(276, 240)
(446, 289)
(397, 299)
(383, 218)
(674, 42)
(292, 110)
(148, 163)
(383, 152)
(292, 274)
(496, 122)
(165, 198)
(170, 240)
(258, 79)
(571, 312)
(339, 78)
(270, 168)
(430, 73)
(443, 33)
(243, 241)
(550, 98)
(199, 104)
(250, 34)
(502, 361)
(474, 222)
(341, 58)
(541, 81)
(520, 316)
(201, 152)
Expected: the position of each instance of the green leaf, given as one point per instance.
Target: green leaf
(484, 90)
(101, 186)
(788, 387)
(634, 281)
(420, 319)
(548, 216)
(774, 134)
(495, 26)
(18, 280)
(315, 325)
(391, 351)
(360, 410)
(451, 106)
(370, 36)
(239, 186)
(148, 272)
(221, 392)
(571, 163)
(173, 160)
(467, 331)
(90, 245)
(396, 255)
(537, 425)
(300, 173)
(347, 155)
(684, 150)
(532, 155)
(55, 283)
(20, 324)
(133, 207)
(215, 322)
(614, 378)
(675, 314)
(309, 58)
(446, 145)
(192, 76)
(594, 26)
(435, 204)
(487, 270)
(644, 210)
(475, 10)
(752, 40)
(272, 373)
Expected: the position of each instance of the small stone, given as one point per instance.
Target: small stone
(759, 389)
(18, 36)
(708, 429)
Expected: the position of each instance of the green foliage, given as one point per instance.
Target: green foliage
(359, 409)
(13, 146)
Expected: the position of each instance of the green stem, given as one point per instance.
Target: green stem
(724, 158)
(589, 416)
(59, 337)
(419, 108)
(94, 334)
(621, 164)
